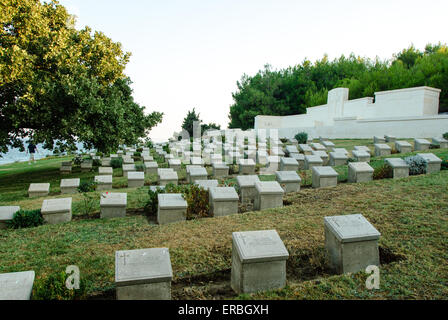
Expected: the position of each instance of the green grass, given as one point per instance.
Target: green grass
(410, 213)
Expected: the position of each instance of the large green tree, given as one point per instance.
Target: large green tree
(292, 90)
(59, 83)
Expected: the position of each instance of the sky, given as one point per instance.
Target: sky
(191, 53)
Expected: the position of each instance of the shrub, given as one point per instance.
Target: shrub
(26, 219)
(86, 186)
(444, 165)
(445, 135)
(140, 149)
(301, 137)
(417, 165)
(137, 154)
(153, 202)
(77, 160)
(140, 167)
(383, 172)
(116, 163)
(96, 163)
(54, 288)
(434, 146)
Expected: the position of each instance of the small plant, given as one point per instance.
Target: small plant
(383, 172)
(116, 163)
(153, 201)
(445, 135)
(26, 219)
(434, 146)
(140, 167)
(444, 165)
(301, 137)
(96, 163)
(86, 186)
(417, 165)
(54, 288)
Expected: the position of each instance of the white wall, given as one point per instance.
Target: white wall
(411, 112)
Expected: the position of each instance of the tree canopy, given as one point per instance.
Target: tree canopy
(59, 83)
(191, 117)
(290, 91)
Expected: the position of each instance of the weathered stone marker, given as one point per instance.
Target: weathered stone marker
(360, 172)
(312, 161)
(361, 155)
(6, 214)
(288, 180)
(136, 179)
(421, 144)
(16, 285)
(128, 168)
(246, 186)
(399, 166)
(143, 274)
(351, 242)
(207, 184)
(105, 171)
(403, 146)
(324, 177)
(197, 173)
(269, 194)
(220, 170)
(70, 185)
(288, 164)
(382, 150)
(113, 205)
(433, 163)
(172, 208)
(38, 190)
(103, 182)
(258, 261)
(151, 167)
(56, 211)
(223, 201)
(338, 159)
(246, 166)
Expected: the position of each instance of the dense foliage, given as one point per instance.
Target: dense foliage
(59, 83)
(290, 91)
(26, 219)
(54, 288)
(301, 137)
(192, 116)
(417, 165)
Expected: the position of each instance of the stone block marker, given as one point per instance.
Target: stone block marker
(66, 167)
(323, 155)
(172, 208)
(313, 161)
(195, 174)
(421, 144)
(246, 166)
(288, 180)
(300, 158)
(223, 201)
(328, 144)
(291, 149)
(56, 211)
(143, 274)
(128, 168)
(167, 176)
(103, 182)
(403, 146)
(136, 179)
(306, 149)
(361, 155)
(86, 165)
(338, 159)
(317, 146)
(269, 194)
(6, 214)
(70, 185)
(399, 166)
(288, 164)
(340, 150)
(207, 184)
(113, 205)
(378, 140)
(443, 143)
(175, 164)
(246, 186)
(105, 171)
(105, 162)
(220, 170)
(16, 285)
(351, 243)
(433, 163)
(151, 167)
(389, 138)
(324, 177)
(39, 190)
(258, 261)
(382, 149)
(362, 148)
(262, 157)
(360, 172)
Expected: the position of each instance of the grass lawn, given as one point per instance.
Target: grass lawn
(410, 213)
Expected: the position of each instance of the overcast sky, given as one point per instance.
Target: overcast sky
(190, 53)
